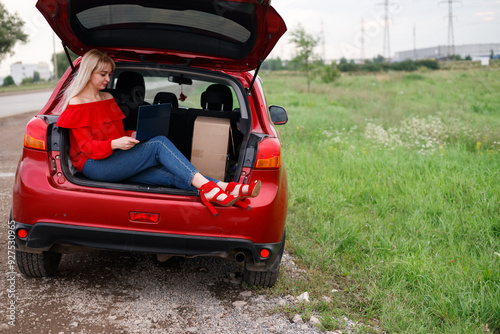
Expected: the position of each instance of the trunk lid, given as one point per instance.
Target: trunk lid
(215, 34)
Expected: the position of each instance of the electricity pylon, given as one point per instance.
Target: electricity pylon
(387, 41)
(451, 33)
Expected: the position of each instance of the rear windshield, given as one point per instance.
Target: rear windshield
(126, 16)
(212, 28)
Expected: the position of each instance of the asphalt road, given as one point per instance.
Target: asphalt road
(19, 103)
(113, 292)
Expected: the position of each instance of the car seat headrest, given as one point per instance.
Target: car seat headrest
(128, 80)
(217, 97)
(166, 97)
(132, 84)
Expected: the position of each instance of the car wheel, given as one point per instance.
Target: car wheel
(261, 278)
(38, 265)
(265, 278)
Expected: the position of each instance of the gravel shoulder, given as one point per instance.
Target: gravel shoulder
(110, 292)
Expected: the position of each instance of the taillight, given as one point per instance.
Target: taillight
(36, 134)
(144, 217)
(268, 154)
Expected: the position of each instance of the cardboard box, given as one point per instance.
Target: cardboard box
(210, 145)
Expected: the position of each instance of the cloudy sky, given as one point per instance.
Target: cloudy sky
(339, 22)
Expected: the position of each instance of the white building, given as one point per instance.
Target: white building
(475, 51)
(20, 71)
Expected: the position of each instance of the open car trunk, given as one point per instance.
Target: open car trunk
(192, 94)
(172, 48)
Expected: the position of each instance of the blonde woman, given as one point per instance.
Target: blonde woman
(103, 151)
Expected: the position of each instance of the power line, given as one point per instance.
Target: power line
(451, 33)
(414, 42)
(387, 42)
(323, 49)
(363, 40)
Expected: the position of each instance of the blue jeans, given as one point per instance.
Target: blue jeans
(155, 162)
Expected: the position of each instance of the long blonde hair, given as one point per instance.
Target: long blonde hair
(93, 61)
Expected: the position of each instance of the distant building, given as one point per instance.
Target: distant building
(20, 71)
(475, 51)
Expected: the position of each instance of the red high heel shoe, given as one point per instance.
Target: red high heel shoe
(253, 191)
(208, 187)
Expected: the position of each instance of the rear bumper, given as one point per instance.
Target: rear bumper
(66, 238)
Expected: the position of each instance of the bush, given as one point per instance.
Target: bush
(429, 63)
(345, 66)
(8, 81)
(372, 67)
(330, 73)
(27, 81)
(407, 65)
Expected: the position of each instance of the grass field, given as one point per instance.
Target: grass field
(394, 187)
(27, 87)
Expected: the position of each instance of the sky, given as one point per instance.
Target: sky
(423, 23)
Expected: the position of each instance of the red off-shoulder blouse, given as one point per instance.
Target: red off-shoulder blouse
(92, 126)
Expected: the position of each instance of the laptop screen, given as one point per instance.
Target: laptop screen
(153, 120)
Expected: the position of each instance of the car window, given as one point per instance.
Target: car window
(127, 15)
(192, 93)
(188, 95)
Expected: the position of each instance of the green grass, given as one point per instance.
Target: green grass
(27, 87)
(394, 187)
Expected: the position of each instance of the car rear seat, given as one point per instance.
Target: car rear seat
(129, 94)
(216, 101)
(177, 132)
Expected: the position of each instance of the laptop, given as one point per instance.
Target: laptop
(153, 120)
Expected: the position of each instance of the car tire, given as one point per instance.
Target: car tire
(261, 278)
(38, 265)
(269, 277)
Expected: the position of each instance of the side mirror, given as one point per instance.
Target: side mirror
(278, 114)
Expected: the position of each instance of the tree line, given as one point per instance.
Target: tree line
(377, 64)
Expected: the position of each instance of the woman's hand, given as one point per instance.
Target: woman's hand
(123, 143)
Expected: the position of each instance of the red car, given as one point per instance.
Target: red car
(197, 56)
